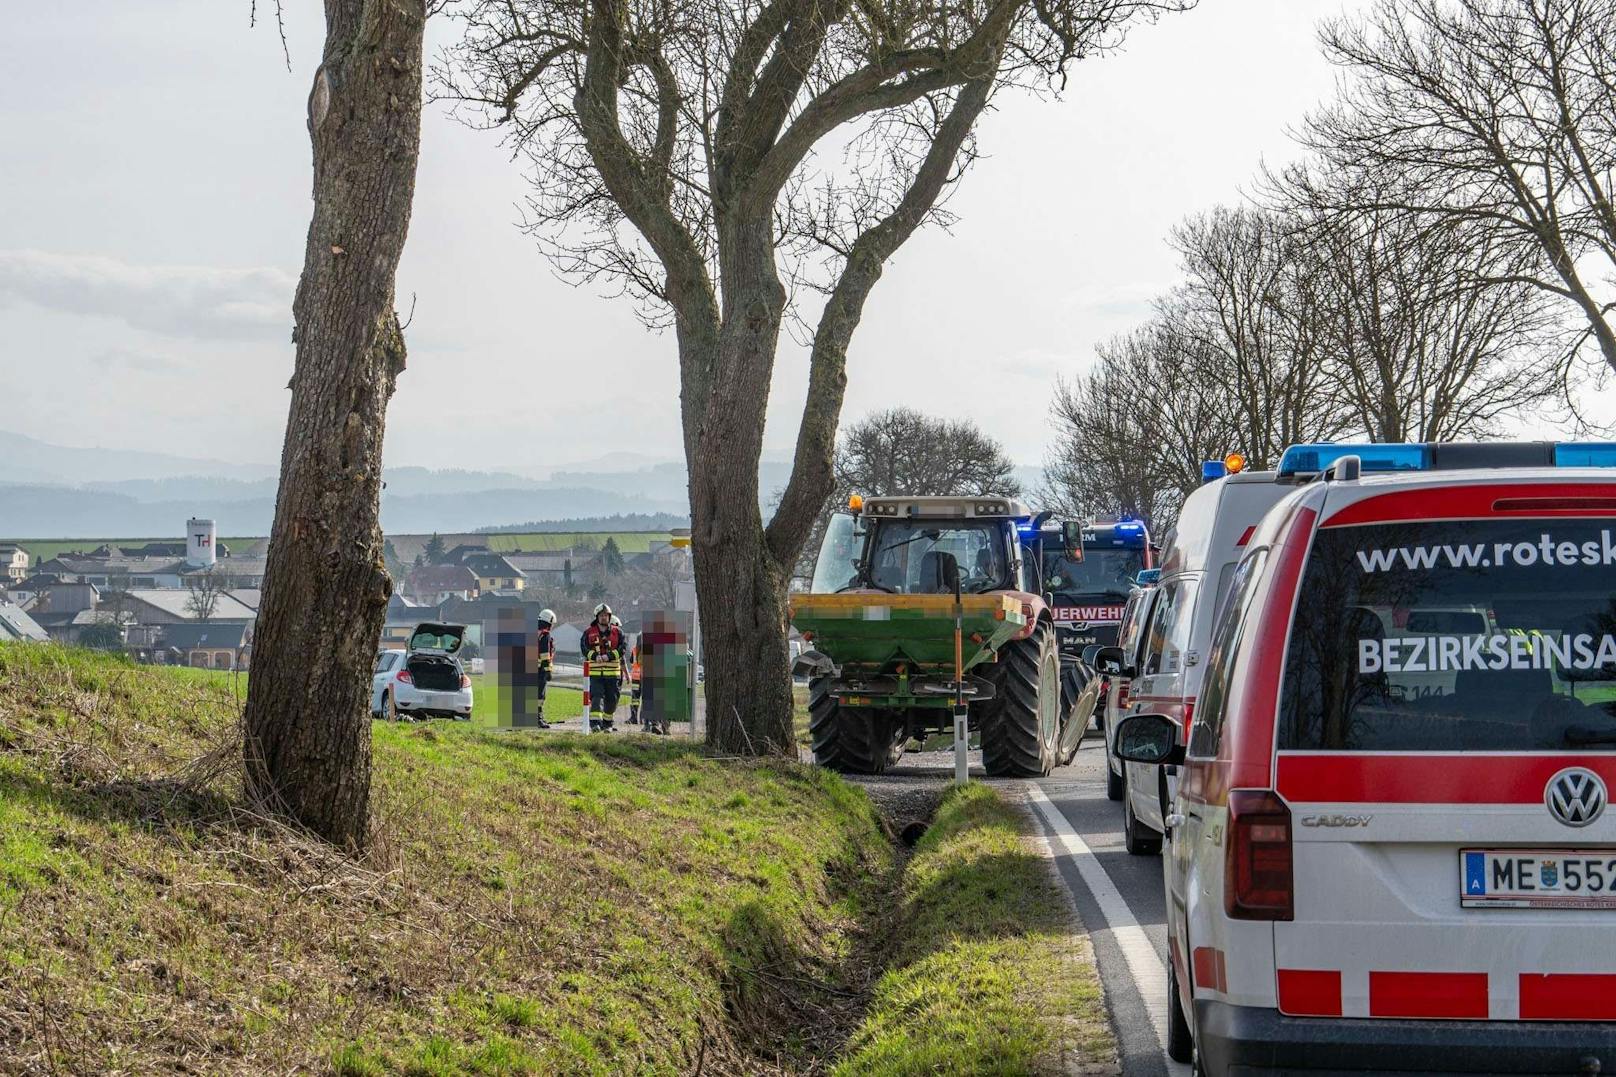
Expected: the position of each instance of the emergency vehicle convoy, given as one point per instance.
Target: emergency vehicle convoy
(1388, 844)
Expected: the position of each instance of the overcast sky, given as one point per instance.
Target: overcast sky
(155, 170)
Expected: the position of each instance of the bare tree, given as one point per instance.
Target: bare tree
(1425, 333)
(1249, 310)
(205, 587)
(1497, 113)
(903, 451)
(719, 160)
(1131, 435)
(326, 585)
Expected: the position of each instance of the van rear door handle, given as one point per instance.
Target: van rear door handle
(1173, 821)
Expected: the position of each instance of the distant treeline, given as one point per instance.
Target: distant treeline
(626, 521)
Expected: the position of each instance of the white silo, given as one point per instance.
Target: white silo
(199, 536)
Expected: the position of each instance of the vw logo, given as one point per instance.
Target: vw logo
(1575, 796)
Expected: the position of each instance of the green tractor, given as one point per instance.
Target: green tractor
(880, 621)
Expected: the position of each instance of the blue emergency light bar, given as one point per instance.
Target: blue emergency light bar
(1373, 456)
(1387, 457)
(1147, 576)
(1212, 470)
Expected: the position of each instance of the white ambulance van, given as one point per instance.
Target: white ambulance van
(1375, 870)
(1163, 672)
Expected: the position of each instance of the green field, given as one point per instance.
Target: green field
(540, 542)
(531, 542)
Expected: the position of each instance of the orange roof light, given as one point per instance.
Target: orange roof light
(1235, 462)
(855, 503)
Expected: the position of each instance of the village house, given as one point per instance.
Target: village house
(435, 584)
(13, 562)
(205, 646)
(495, 573)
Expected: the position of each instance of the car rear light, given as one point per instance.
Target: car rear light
(1189, 718)
(404, 677)
(1259, 882)
(1122, 694)
(465, 681)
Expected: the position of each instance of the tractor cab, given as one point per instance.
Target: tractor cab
(900, 545)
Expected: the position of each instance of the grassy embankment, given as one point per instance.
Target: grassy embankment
(543, 904)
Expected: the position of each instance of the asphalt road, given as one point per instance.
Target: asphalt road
(1119, 897)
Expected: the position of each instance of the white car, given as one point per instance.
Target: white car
(424, 681)
(1372, 870)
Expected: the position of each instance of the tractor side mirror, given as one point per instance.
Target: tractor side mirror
(1149, 738)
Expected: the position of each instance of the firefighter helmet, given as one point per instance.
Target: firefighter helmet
(547, 617)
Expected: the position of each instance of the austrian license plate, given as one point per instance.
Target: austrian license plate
(1537, 878)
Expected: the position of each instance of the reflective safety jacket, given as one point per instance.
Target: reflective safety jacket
(546, 650)
(634, 665)
(603, 650)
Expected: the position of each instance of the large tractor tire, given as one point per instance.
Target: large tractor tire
(1021, 723)
(851, 740)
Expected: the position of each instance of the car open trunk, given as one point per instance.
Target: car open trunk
(431, 659)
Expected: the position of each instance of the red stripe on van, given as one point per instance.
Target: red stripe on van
(1568, 996)
(1462, 502)
(1310, 992)
(1426, 777)
(1428, 994)
(1246, 754)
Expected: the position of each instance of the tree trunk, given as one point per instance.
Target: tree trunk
(740, 585)
(326, 584)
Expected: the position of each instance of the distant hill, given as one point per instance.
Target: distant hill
(29, 460)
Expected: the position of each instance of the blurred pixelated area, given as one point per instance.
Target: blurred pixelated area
(666, 676)
(511, 668)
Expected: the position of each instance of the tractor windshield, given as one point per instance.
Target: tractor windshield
(839, 550)
(906, 556)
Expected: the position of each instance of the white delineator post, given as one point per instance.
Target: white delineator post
(962, 714)
(962, 744)
(583, 722)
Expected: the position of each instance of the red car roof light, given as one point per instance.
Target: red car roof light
(1259, 876)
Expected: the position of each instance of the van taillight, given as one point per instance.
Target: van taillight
(1122, 693)
(1189, 718)
(1258, 880)
(404, 677)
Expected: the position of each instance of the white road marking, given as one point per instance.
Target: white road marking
(1146, 967)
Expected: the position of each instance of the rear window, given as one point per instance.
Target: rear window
(1492, 635)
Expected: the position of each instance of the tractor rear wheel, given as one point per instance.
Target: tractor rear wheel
(851, 740)
(1021, 722)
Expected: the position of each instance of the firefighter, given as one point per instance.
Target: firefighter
(602, 648)
(546, 643)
